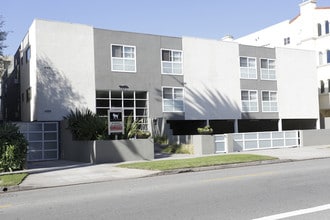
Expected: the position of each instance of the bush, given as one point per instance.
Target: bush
(179, 149)
(13, 148)
(85, 125)
(205, 130)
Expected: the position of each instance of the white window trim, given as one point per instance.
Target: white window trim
(267, 69)
(256, 65)
(262, 101)
(171, 87)
(248, 90)
(161, 61)
(123, 45)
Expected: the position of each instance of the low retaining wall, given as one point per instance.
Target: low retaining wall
(314, 137)
(104, 151)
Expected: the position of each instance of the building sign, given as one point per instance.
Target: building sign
(115, 121)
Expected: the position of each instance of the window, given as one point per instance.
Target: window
(28, 94)
(249, 100)
(134, 104)
(123, 58)
(286, 40)
(328, 85)
(171, 61)
(319, 30)
(267, 69)
(28, 54)
(320, 58)
(269, 101)
(326, 27)
(328, 56)
(248, 68)
(173, 99)
(322, 86)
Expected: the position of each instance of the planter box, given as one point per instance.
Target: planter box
(104, 151)
(203, 144)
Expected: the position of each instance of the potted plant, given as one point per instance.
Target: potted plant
(205, 130)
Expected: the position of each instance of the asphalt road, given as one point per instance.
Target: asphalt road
(299, 190)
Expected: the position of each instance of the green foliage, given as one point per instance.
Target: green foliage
(3, 36)
(196, 162)
(178, 149)
(205, 130)
(13, 148)
(161, 139)
(12, 179)
(132, 129)
(85, 125)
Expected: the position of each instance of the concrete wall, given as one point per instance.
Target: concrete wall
(203, 144)
(107, 151)
(64, 55)
(315, 137)
(211, 74)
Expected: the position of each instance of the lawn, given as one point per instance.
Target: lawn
(173, 164)
(12, 179)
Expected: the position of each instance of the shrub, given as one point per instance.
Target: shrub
(132, 129)
(163, 140)
(85, 125)
(179, 149)
(13, 148)
(205, 130)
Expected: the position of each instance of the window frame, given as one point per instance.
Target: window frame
(171, 62)
(248, 68)
(267, 69)
(249, 100)
(173, 99)
(123, 58)
(269, 101)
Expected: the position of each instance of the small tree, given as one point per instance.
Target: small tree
(3, 36)
(13, 148)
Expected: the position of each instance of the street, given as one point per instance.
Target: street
(299, 190)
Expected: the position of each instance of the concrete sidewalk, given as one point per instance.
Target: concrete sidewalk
(62, 173)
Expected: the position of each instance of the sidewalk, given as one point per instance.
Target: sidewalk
(62, 173)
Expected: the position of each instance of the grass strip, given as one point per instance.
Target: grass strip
(12, 179)
(172, 164)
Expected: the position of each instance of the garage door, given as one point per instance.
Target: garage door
(42, 138)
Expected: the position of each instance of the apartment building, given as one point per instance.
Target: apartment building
(307, 30)
(170, 83)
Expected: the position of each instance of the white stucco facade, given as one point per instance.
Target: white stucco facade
(62, 77)
(211, 75)
(297, 84)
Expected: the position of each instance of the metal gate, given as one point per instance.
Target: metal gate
(43, 140)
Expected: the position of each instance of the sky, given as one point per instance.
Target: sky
(210, 19)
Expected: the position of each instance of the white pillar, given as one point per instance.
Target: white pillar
(280, 124)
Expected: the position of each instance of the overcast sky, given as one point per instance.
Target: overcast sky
(195, 18)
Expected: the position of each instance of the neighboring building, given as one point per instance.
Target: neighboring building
(309, 30)
(6, 64)
(175, 84)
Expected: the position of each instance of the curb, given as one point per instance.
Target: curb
(219, 167)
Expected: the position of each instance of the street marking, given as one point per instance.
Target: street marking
(296, 213)
(240, 176)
